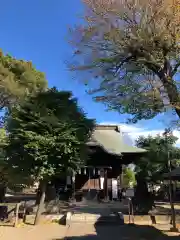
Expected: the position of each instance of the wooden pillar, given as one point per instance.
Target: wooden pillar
(105, 184)
(16, 214)
(121, 177)
(73, 185)
(89, 179)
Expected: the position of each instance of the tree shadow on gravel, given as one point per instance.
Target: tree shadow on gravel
(125, 232)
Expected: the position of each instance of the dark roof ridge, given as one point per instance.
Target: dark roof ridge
(107, 127)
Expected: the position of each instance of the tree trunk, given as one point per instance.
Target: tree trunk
(173, 94)
(3, 187)
(41, 203)
(38, 196)
(143, 200)
(50, 193)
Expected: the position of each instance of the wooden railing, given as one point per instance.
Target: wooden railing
(9, 213)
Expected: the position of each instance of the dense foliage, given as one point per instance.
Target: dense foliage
(129, 179)
(18, 78)
(151, 167)
(47, 134)
(130, 56)
(154, 163)
(3, 165)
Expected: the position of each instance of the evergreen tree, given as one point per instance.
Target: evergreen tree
(154, 163)
(18, 78)
(47, 135)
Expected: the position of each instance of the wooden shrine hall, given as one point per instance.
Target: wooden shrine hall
(107, 153)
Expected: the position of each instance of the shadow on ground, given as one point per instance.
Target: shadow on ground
(124, 232)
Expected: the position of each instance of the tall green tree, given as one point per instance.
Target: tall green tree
(3, 164)
(151, 167)
(47, 136)
(154, 163)
(18, 78)
(130, 56)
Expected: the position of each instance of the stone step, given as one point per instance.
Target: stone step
(113, 218)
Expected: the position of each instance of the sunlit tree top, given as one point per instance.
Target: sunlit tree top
(129, 53)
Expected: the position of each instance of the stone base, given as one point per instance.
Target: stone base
(90, 218)
(174, 230)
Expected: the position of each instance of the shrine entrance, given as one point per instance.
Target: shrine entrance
(101, 178)
(95, 183)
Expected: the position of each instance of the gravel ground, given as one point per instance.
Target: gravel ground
(126, 232)
(87, 232)
(41, 232)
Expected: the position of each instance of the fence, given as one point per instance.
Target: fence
(9, 214)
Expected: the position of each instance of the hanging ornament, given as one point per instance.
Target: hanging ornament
(85, 171)
(73, 179)
(94, 172)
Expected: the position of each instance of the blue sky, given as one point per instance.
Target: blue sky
(37, 30)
